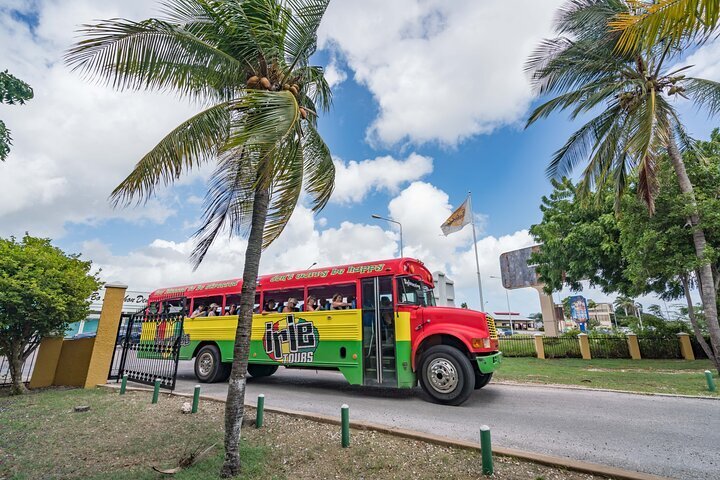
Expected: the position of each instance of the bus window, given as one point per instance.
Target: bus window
(344, 295)
(412, 291)
(281, 297)
(207, 302)
(173, 306)
(232, 304)
(154, 307)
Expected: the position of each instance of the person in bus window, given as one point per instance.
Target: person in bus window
(212, 310)
(233, 310)
(200, 311)
(338, 303)
(352, 302)
(290, 305)
(270, 307)
(386, 314)
(311, 304)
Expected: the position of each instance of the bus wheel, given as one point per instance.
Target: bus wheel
(257, 371)
(208, 365)
(482, 379)
(446, 374)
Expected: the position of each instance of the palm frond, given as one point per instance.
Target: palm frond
(301, 34)
(154, 54)
(319, 168)
(191, 144)
(648, 24)
(286, 189)
(704, 93)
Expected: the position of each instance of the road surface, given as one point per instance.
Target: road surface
(669, 436)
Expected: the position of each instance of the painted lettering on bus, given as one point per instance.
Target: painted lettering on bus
(291, 340)
(328, 273)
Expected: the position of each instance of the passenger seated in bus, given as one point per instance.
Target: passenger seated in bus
(386, 314)
(200, 311)
(213, 310)
(290, 305)
(352, 302)
(311, 304)
(337, 302)
(233, 310)
(270, 307)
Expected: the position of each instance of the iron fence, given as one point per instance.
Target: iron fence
(517, 347)
(697, 348)
(562, 347)
(151, 348)
(609, 347)
(26, 370)
(659, 347)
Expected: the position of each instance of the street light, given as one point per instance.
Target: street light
(313, 264)
(392, 221)
(507, 297)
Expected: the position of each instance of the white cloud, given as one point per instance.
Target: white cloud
(354, 180)
(75, 141)
(440, 71)
(334, 74)
(706, 62)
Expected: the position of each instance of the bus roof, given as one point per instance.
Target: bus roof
(317, 276)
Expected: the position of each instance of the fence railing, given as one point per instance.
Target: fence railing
(697, 348)
(518, 347)
(659, 347)
(561, 347)
(609, 347)
(27, 369)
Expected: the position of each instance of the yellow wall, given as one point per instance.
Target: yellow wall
(74, 360)
(46, 363)
(106, 336)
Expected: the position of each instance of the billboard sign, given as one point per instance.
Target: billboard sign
(579, 311)
(515, 269)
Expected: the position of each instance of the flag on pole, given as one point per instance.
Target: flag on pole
(458, 219)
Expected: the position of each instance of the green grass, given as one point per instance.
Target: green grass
(119, 438)
(647, 376)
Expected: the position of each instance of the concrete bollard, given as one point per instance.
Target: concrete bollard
(486, 450)
(345, 421)
(196, 399)
(260, 413)
(123, 384)
(156, 390)
(710, 380)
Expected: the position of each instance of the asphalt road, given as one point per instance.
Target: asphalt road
(669, 436)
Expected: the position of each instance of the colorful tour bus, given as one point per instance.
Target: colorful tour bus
(375, 322)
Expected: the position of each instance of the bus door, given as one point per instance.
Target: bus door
(379, 365)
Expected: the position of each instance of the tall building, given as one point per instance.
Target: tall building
(444, 290)
(602, 312)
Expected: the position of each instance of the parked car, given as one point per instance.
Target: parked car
(504, 332)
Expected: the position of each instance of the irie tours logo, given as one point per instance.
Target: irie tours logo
(291, 340)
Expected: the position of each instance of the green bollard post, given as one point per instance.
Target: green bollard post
(260, 413)
(196, 399)
(345, 421)
(710, 380)
(156, 391)
(486, 450)
(123, 384)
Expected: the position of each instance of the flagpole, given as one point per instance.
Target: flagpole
(477, 259)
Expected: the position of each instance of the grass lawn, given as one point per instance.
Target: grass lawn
(651, 376)
(123, 437)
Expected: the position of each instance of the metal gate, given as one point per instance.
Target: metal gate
(148, 348)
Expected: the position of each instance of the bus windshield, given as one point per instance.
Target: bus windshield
(412, 291)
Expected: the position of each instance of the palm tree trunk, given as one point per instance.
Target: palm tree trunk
(235, 406)
(708, 294)
(15, 362)
(694, 323)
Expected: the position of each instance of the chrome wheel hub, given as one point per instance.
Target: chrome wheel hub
(205, 364)
(442, 375)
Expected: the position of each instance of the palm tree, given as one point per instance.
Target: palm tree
(649, 23)
(625, 303)
(636, 125)
(247, 62)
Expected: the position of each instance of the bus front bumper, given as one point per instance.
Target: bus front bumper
(489, 363)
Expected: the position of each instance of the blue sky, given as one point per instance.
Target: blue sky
(429, 102)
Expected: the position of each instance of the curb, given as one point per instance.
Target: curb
(590, 389)
(549, 460)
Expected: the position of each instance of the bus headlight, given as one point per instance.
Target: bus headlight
(480, 343)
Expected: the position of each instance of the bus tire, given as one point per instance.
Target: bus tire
(209, 367)
(258, 370)
(447, 375)
(482, 379)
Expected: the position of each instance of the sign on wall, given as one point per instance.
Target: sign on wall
(579, 311)
(133, 301)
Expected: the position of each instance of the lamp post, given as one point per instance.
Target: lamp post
(392, 221)
(507, 297)
(313, 264)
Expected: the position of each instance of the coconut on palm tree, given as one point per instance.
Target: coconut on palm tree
(633, 125)
(248, 63)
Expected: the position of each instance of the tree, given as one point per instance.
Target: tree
(42, 291)
(650, 23)
(656, 310)
(636, 123)
(248, 62)
(626, 304)
(12, 91)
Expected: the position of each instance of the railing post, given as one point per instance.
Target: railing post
(196, 399)
(260, 411)
(539, 346)
(345, 421)
(123, 384)
(633, 346)
(584, 346)
(156, 391)
(686, 346)
(486, 450)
